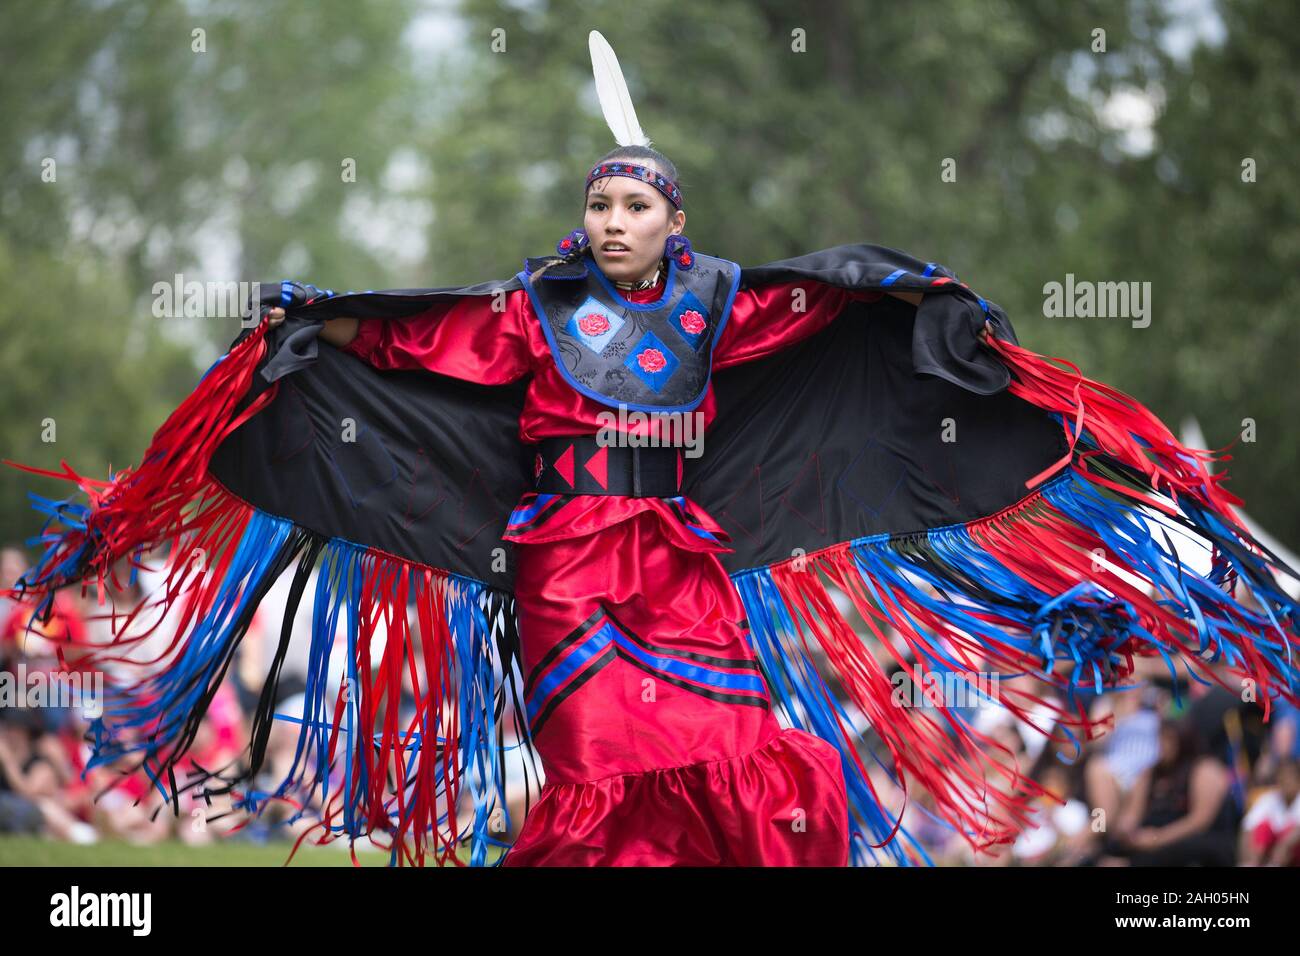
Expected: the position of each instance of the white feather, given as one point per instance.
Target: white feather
(611, 90)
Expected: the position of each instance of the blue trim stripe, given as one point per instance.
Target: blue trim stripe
(726, 307)
(578, 657)
(528, 512)
(893, 277)
(680, 502)
(747, 682)
(707, 535)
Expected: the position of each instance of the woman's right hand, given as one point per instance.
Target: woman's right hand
(276, 316)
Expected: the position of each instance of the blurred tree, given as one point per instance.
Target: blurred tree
(1218, 212)
(178, 125)
(76, 385)
(146, 139)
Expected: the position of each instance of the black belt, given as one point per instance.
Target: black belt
(578, 465)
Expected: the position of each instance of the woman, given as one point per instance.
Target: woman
(1270, 832)
(1182, 812)
(872, 419)
(671, 754)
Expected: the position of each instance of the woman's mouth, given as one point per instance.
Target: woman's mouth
(616, 250)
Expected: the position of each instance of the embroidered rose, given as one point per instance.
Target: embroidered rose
(651, 360)
(692, 322)
(566, 243)
(593, 323)
(685, 260)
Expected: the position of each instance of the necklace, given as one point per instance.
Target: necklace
(644, 283)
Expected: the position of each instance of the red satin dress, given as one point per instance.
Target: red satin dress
(645, 700)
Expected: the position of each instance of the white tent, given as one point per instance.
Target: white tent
(1192, 436)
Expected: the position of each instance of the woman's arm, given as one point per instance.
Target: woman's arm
(340, 332)
(1206, 792)
(337, 332)
(469, 338)
(1133, 805)
(10, 769)
(766, 319)
(912, 297)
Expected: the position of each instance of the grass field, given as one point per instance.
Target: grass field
(35, 851)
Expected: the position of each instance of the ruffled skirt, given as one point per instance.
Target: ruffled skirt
(780, 805)
(651, 716)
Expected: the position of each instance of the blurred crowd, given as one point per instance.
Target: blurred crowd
(1193, 779)
(1182, 779)
(46, 785)
(1177, 774)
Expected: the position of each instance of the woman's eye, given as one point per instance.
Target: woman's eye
(595, 204)
(641, 204)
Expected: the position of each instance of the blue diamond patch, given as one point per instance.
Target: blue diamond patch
(691, 314)
(594, 324)
(652, 361)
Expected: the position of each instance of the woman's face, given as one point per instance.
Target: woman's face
(625, 212)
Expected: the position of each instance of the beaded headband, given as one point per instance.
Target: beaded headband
(644, 173)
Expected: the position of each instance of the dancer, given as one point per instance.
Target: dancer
(653, 621)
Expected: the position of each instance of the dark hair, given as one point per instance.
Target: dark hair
(1188, 743)
(639, 154)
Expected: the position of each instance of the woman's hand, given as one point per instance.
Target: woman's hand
(1146, 838)
(276, 316)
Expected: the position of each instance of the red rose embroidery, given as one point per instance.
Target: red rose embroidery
(593, 323)
(684, 260)
(566, 243)
(651, 360)
(692, 322)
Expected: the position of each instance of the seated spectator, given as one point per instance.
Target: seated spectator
(1283, 741)
(1270, 834)
(1117, 759)
(30, 785)
(1062, 834)
(1182, 813)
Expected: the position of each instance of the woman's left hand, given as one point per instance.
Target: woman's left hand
(1144, 838)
